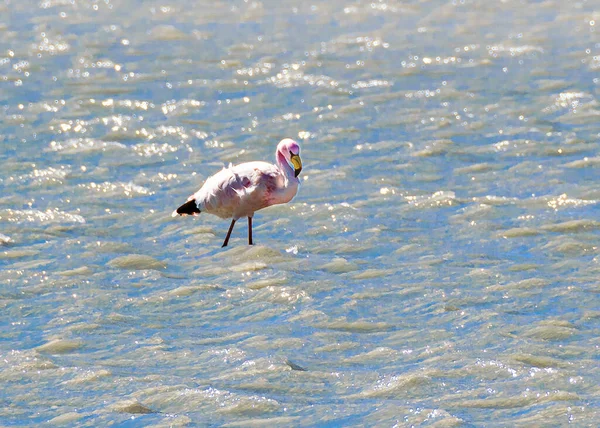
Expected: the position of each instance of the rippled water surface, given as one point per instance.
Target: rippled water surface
(438, 267)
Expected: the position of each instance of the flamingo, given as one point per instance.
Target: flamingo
(241, 190)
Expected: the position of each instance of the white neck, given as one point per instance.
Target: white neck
(284, 166)
(290, 183)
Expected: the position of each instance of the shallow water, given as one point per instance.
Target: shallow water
(439, 266)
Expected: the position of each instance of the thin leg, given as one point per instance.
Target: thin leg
(250, 231)
(228, 233)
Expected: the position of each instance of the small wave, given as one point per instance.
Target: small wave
(568, 101)
(153, 149)
(496, 50)
(495, 200)
(564, 201)
(140, 105)
(117, 189)
(438, 199)
(394, 385)
(167, 33)
(137, 262)
(293, 77)
(33, 216)
(361, 326)
(374, 83)
(82, 145)
(182, 108)
(49, 175)
(259, 69)
(572, 226)
(60, 346)
(586, 162)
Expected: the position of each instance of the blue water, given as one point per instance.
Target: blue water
(438, 266)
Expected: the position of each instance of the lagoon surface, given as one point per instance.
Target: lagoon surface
(439, 266)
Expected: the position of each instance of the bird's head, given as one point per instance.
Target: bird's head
(291, 152)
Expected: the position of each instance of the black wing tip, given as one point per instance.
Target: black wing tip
(189, 208)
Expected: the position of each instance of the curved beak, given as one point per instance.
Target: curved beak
(295, 159)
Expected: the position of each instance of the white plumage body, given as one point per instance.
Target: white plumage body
(241, 190)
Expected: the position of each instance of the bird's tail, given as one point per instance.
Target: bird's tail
(189, 208)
